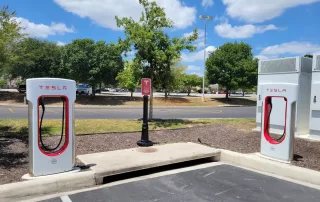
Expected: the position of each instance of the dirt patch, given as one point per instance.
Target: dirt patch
(14, 157)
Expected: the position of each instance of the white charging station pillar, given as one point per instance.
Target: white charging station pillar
(314, 130)
(295, 70)
(42, 159)
(280, 148)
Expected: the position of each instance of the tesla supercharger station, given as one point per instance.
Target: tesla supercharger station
(293, 70)
(315, 99)
(45, 159)
(281, 147)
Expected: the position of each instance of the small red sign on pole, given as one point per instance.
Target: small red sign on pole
(146, 86)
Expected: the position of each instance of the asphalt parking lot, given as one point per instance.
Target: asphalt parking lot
(217, 183)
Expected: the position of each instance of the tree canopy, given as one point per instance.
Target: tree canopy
(190, 81)
(129, 78)
(9, 33)
(154, 49)
(308, 56)
(232, 65)
(35, 58)
(92, 62)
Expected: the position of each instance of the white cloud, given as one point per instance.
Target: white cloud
(103, 12)
(197, 56)
(59, 43)
(226, 30)
(200, 44)
(207, 3)
(41, 30)
(193, 68)
(266, 57)
(130, 53)
(291, 48)
(221, 18)
(260, 10)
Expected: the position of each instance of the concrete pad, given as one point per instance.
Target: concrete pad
(258, 163)
(128, 160)
(311, 138)
(46, 185)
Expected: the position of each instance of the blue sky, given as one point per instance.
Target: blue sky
(274, 28)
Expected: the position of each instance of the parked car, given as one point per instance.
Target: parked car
(84, 89)
(22, 88)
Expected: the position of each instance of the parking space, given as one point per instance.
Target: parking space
(218, 183)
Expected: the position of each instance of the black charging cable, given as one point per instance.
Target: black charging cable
(62, 127)
(269, 102)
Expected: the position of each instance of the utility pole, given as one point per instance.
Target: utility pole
(205, 18)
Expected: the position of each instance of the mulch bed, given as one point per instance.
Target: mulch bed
(14, 151)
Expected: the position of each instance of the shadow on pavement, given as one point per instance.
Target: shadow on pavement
(235, 101)
(170, 123)
(12, 96)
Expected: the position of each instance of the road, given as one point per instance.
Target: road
(21, 112)
(217, 183)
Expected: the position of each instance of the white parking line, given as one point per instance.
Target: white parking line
(65, 199)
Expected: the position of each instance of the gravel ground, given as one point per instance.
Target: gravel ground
(14, 156)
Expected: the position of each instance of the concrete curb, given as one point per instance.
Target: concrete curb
(84, 179)
(121, 161)
(46, 185)
(255, 162)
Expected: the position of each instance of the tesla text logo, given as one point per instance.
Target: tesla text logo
(52, 87)
(146, 86)
(276, 90)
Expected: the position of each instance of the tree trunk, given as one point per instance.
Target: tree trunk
(227, 94)
(242, 93)
(93, 90)
(100, 85)
(166, 94)
(131, 94)
(189, 91)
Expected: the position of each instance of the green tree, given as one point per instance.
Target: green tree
(108, 62)
(147, 37)
(308, 56)
(78, 58)
(167, 75)
(175, 78)
(3, 82)
(128, 77)
(35, 58)
(247, 75)
(9, 33)
(92, 62)
(227, 66)
(190, 81)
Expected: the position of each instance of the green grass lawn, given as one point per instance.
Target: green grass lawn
(53, 127)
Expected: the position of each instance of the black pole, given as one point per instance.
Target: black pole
(145, 142)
